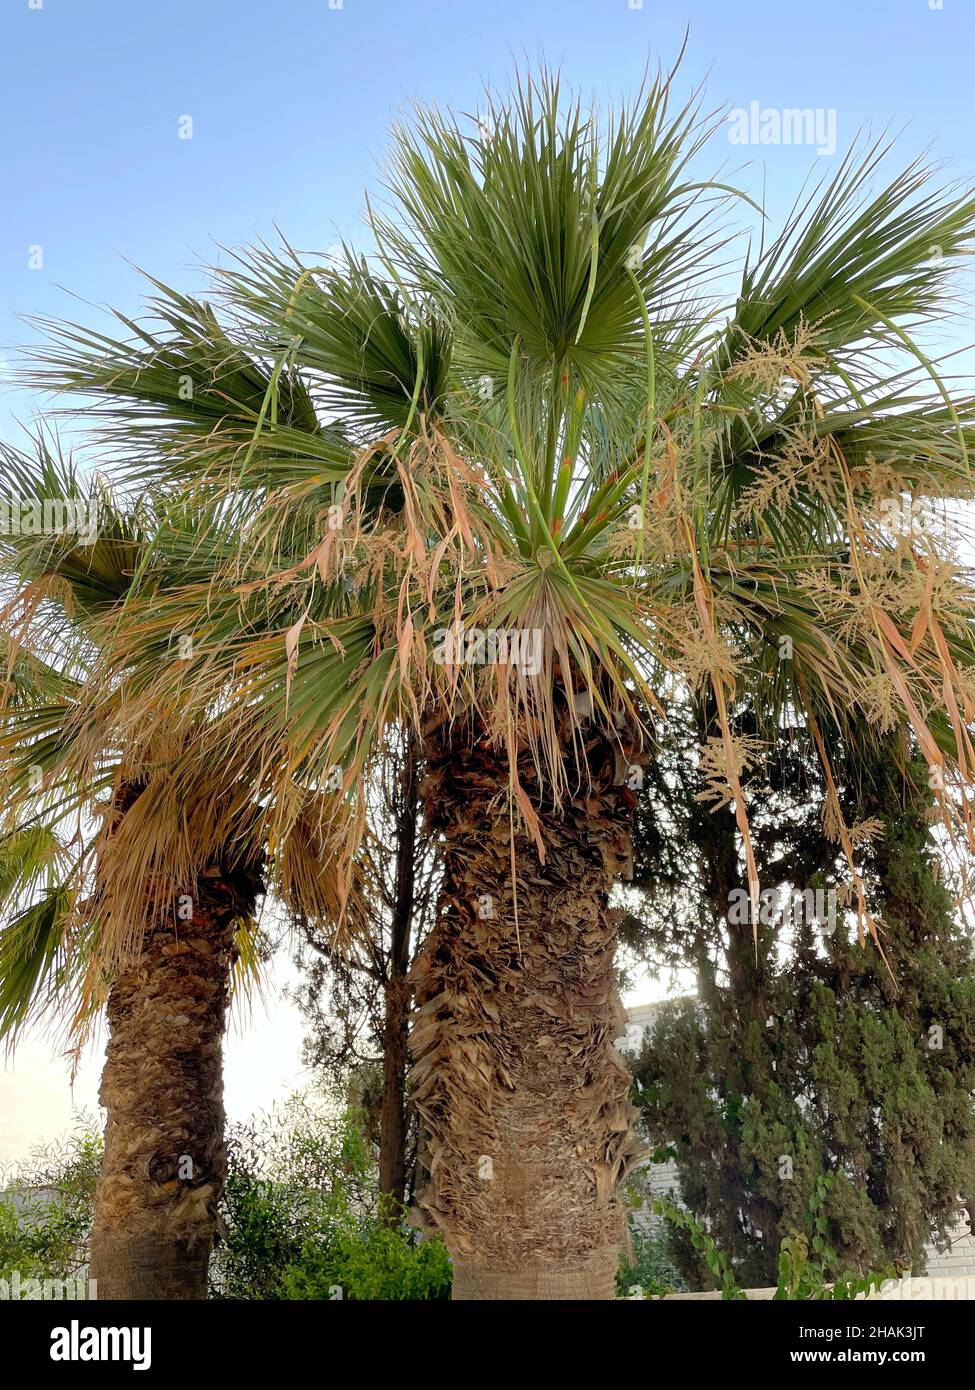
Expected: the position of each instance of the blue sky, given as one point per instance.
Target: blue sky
(290, 102)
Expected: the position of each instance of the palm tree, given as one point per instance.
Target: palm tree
(511, 483)
(167, 984)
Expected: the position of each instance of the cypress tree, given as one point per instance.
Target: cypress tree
(815, 1056)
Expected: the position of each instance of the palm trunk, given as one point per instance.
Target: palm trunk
(164, 1163)
(523, 1097)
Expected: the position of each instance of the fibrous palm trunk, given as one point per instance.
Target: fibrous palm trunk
(164, 1163)
(523, 1096)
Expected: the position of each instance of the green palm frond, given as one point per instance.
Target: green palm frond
(530, 411)
(35, 962)
(59, 772)
(37, 975)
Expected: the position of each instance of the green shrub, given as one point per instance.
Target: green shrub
(301, 1217)
(808, 1267)
(46, 1208)
(369, 1260)
(648, 1270)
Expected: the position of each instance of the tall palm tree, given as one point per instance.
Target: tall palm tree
(64, 821)
(509, 483)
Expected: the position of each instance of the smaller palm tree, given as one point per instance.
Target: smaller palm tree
(72, 810)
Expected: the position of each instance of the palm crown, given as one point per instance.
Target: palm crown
(531, 412)
(61, 834)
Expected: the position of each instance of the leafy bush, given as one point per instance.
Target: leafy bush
(808, 1268)
(368, 1260)
(46, 1207)
(648, 1270)
(301, 1217)
(716, 1260)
